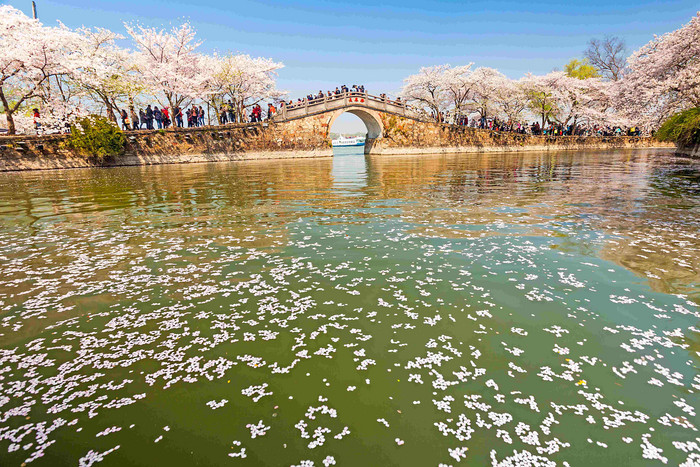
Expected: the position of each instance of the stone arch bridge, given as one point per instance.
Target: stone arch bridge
(375, 112)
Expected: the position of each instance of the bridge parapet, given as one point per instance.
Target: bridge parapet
(347, 100)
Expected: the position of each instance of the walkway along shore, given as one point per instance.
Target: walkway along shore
(303, 138)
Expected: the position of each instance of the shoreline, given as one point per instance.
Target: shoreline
(281, 141)
(510, 149)
(137, 161)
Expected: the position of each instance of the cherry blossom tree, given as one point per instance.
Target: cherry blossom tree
(426, 89)
(664, 75)
(75, 72)
(244, 80)
(511, 99)
(462, 90)
(31, 55)
(589, 101)
(487, 84)
(458, 85)
(567, 94)
(168, 63)
(103, 71)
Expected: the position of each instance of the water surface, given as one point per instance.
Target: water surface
(457, 310)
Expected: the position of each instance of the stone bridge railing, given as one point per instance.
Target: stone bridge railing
(346, 100)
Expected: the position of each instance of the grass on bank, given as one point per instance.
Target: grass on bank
(682, 128)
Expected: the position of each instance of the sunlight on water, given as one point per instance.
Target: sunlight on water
(521, 309)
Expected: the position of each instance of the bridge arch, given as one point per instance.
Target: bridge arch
(370, 118)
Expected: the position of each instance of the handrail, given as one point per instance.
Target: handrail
(333, 97)
(349, 98)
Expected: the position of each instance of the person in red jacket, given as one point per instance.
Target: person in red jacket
(37, 124)
(166, 117)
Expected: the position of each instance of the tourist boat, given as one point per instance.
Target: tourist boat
(352, 141)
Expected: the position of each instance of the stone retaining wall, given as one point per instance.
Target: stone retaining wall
(307, 137)
(406, 136)
(172, 146)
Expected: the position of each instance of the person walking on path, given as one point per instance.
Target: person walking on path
(125, 120)
(142, 119)
(134, 120)
(149, 117)
(158, 116)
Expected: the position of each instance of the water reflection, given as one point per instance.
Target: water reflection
(450, 301)
(649, 204)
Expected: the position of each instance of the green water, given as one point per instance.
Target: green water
(522, 309)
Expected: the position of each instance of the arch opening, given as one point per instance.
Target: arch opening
(373, 124)
(369, 118)
(348, 124)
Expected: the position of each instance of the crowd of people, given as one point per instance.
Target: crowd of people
(228, 113)
(152, 117)
(145, 119)
(194, 116)
(339, 90)
(535, 128)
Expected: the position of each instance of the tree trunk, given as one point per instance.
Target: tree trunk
(543, 115)
(8, 113)
(110, 112)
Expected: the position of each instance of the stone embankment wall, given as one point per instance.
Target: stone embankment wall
(306, 137)
(406, 136)
(173, 146)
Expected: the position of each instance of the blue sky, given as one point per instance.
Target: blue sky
(324, 43)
